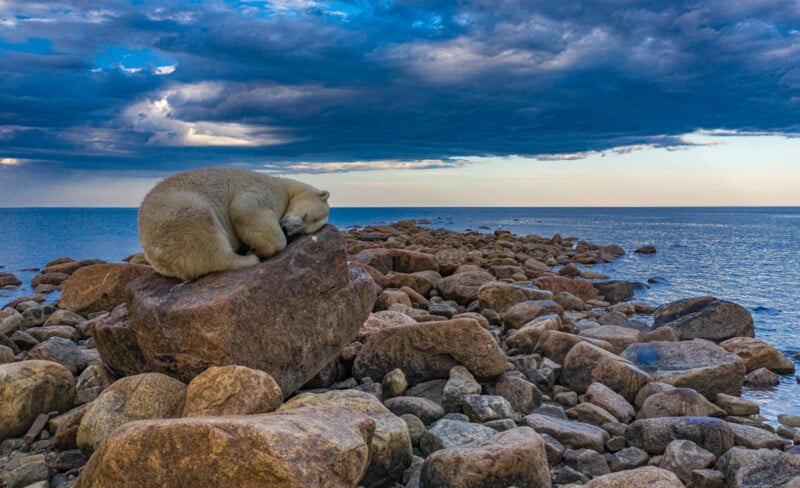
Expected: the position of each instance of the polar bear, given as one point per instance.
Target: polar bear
(196, 222)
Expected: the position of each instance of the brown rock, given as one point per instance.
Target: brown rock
(649, 476)
(646, 249)
(524, 312)
(756, 468)
(654, 435)
(416, 282)
(55, 279)
(678, 402)
(586, 363)
(525, 338)
(231, 390)
(664, 333)
(399, 260)
(555, 345)
(705, 318)
(649, 390)
(376, 275)
(429, 351)
(326, 447)
(389, 297)
(116, 342)
(100, 287)
(384, 319)
(9, 280)
(580, 288)
(619, 337)
(610, 401)
(758, 354)
(463, 287)
(451, 259)
(302, 306)
(501, 296)
(64, 427)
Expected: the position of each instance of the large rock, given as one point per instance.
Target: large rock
(31, 388)
(654, 435)
(463, 287)
(611, 401)
(757, 468)
(391, 446)
(555, 344)
(619, 337)
(288, 316)
(586, 363)
(500, 296)
(524, 339)
(524, 312)
(399, 260)
(572, 434)
(758, 354)
(100, 287)
(64, 352)
(382, 320)
(429, 351)
(447, 433)
(678, 402)
(705, 318)
(682, 457)
(231, 390)
(325, 447)
(512, 458)
(141, 397)
(698, 364)
(116, 342)
(649, 476)
(756, 438)
(614, 291)
(580, 288)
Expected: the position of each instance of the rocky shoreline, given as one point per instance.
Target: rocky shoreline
(385, 356)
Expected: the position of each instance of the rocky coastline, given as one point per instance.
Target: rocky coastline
(385, 356)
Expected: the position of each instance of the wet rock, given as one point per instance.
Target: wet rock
(145, 396)
(303, 305)
(100, 287)
(512, 458)
(654, 435)
(500, 296)
(648, 476)
(628, 458)
(424, 409)
(555, 345)
(697, 364)
(231, 390)
(397, 260)
(586, 364)
(756, 438)
(705, 318)
(646, 249)
(319, 446)
(460, 384)
(30, 388)
(524, 312)
(580, 288)
(619, 337)
(758, 354)
(463, 287)
(448, 433)
(761, 378)
(571, 434)
(678, 402)
(682, 457)
(755, 468)
(614, 291)
(430, 351)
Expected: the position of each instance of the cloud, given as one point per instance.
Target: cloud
(344, 167)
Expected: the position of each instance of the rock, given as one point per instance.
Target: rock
(654, 435)
(448, 433)
(37, 315)
(429, 351)
(116, 342)
(648, 476)
(391, 447)
(697, 364)
(483, 408)
(501, 296)
(430, 390)
(416, 282)
(394, 383)
(761, 378)
(424, 409)
(571, 434)
(610, 401)
(524, 339)
(460, 384)
(64, 427)
(524, 312)
(6, 354)
(30, 388)
(663, 333)
(64, 352)
(142, 397)
(570, 270)
(441, 310)
(756, 438)
(389, 297)
(705, 318)
(398, 260)
(737, 406)
(29, 470)
(523, 395)
(628, 458)
(586, 364)
(9, 280)
(586, 461)
(707, 478)
(231, 390)
(758, 354)
(415, 427)
(463, 287)
(514, 457)
(318, 446)
(568, 301)
(619, 337)
(303, 305)
(566, 398)
(791, 420)
(383, 320)
(92, 381)
(649, 390)
(450, 259)
(646, 249)
(589, 413)
(100, 287)
(756, 468)
(555, 345)
(580, 288)
(678, 402)
(43, 333)
(682, 457)
(614, 291)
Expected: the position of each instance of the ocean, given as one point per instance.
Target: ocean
(747, 255)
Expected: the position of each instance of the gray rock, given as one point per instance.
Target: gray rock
(682, 457)
(30, 469)
(523, 395)
(628, 458)
(91, 382)
(415, 427)
(705, 318)
(460, 384)
(448, 433)
(654, 435)
(554, 449)
(708, 478)
(590, 413)
(571, 434)
(761, 378)
(425, 410)
(757, 468)
(587, 461)
(678, 402)
(430, 390)
(756, 438)
(789, 419)
(483, 408)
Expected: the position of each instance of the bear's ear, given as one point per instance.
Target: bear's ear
(324, 195)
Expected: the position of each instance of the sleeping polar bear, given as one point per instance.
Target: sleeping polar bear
(193, 223)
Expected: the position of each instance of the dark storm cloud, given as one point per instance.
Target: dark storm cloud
(161, 86)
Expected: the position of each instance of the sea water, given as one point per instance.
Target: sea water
(747, 255)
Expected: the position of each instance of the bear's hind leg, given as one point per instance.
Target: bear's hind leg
(256, 226)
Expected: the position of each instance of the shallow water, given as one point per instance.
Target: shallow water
(747, 255)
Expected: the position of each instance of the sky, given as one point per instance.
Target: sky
(406, 103)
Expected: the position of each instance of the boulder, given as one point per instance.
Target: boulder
(619, 337)
(610, 401)
(31, 388)
(590, 413)
(525, 338)
(485, 408)
(614, 291)
(100, 287)
(463, 287)
(649, 390)
(682, 457)
(398, 260)
(9, 280)
(500, 296)
(64, 352)
(756, 468)
(736, 405)
(92, 381)
(326, 447)
(654, 435)
(586, 364)
(698, 364)
(649, 476)
(761, 378)
(231, 390)
(303, 306)
(515, 457)
(524, 312)
(418, 283)
(447, 433)
(451, 259)
(555, 344)
(144, 396)
(523, 395)
(429, 351)
(580, 288)
(382, 320)
(572, 434)
(756, 438)
(422, 408)
(758, 354)
(390, 451)
(460, 384)
(116, 342)
(678, 402)
(705, 318)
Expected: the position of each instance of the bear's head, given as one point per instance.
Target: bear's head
(307, 213)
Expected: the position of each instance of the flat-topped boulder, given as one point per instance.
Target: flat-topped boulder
(399, 260)
(580, 288)
(464, 287)
(500, 296)
(572, 434)
(698, 364)
(288, 316)
(100, 287)
(619, 337)
(705, 318)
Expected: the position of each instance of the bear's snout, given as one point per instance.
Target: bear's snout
(292, 225)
